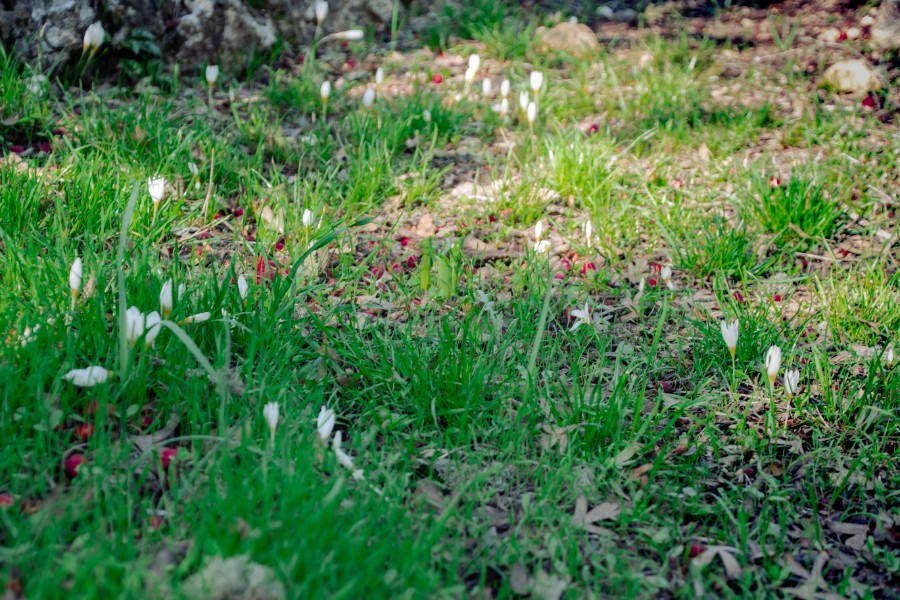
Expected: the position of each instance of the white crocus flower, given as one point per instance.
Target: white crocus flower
(87, 377)
(243, 287)
(791, 382)
(351, 35)
(379, 76)
(730, 335)
(93, 38)
(583, 317)
(344, 458)
(212, 74)
(321, 8)
(369, 97)
(157, 188)
(531, 113)
(28, 335)
(523, 101)
(665, 275)
(486, 88)
(536, 81)
(152, 327)
(325, 90)
(538, 230)
(474, 63)
(325, 423)
(198, 318)
(504, 107)
(270, 412)
(542, 246)
(504, 88)
(75, 273)
(166, 300)
(588, 229)
(773, 363)
(134, 325)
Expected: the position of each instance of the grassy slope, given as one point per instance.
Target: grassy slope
(478, 463)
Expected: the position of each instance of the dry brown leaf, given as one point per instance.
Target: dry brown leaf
(431, 494)
(273, 218)
(584, 519)
(145, 443)
(519, 582)
(732, 567)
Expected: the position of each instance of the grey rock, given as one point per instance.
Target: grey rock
(192, 32)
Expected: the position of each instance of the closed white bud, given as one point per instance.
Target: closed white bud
(379, 76)
(75, 273)
(166, 299)
(474, 62)
(369, 97)
(524, 101)
(134, 325)
(325, 90)
(504, 107)
(773, 363)
(321, 11)
(531, 113)
(665, 274)
(538, 230)
(198, 318)
(212, 74)
(504, 88)
(537, 80)
(157, 188)
(93, 37)
(270, 412)
(243, 287)
(730, 335)
(307, 218)
(325, 422)
(791, 382)
(351, 35)
(426, 114)
(486, 88)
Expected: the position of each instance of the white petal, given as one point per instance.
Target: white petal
(75, 274)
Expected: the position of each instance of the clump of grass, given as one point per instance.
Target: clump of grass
(800, 211)
(863, 305)
(715, 246)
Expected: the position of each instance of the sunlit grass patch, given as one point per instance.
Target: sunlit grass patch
(800, 210)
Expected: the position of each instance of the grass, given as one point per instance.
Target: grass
(503, 442)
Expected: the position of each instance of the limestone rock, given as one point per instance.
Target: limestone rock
(576, 39)
(236, 578)
(852, 77)
(189, 31)
(221, 28)
(830, 36)
(886, 31)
